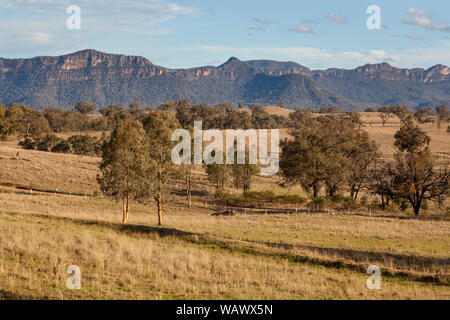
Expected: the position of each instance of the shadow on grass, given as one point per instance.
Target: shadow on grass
(7, 295)
(361, 255)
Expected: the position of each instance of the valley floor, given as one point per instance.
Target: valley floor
(65, 221)
(196, 256)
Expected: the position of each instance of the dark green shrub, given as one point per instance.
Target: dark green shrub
(62, 147)
(48, 142)
(28, 144)
(83, 145)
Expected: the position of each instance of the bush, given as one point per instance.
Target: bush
(62, 147)
(336, 202)
(364, 201)
(350, 203)
(47, 143)
(84, 145)
(257, 199)
(319, 203)
(28, 144)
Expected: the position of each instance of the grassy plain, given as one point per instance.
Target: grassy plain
(198, 256)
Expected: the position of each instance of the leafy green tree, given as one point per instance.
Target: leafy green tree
(136, 111)
(261, 119)
(423, 115)
(84, 145)
(218, 174)
(241, 173)
(363, 154)
(382, 181)
(385, 114)
(411, 138)
(416, 178)
(443, 114)
(48, 142)
(125, 165)
(159, 126)
(61, 147)
(299, 117)
(401, 112)
(115, 113)
(84, 107)
(29, 123)
(5, 125)
(327, 152)
(302, 160)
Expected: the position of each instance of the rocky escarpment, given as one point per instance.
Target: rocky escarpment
(112, 79)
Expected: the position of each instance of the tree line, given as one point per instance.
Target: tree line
(438, 115)
(329, 152)
(333, 154)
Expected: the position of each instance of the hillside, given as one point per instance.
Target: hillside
(117, 79)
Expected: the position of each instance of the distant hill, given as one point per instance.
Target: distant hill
(118, 79)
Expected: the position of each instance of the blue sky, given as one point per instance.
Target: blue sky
(188, 33)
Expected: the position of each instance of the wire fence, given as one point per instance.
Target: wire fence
(245, 210)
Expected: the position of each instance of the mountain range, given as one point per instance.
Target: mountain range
(107, 79)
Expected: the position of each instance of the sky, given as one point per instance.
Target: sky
(318, 34)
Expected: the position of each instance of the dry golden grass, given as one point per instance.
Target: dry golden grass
(417, 247)
(66, 135)
(48, 171)
(384, 136)
(273, 110)
(129, 263)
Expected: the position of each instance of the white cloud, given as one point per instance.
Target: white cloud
(311, 57)
(301, 29)
(425, 23)
(31, 24)
(336, 18)
(418, 12)
(414, 37)
(309, 21)
(319, 58)
(256, 29)
(264, 22)
(423, 19)
(111, 16)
